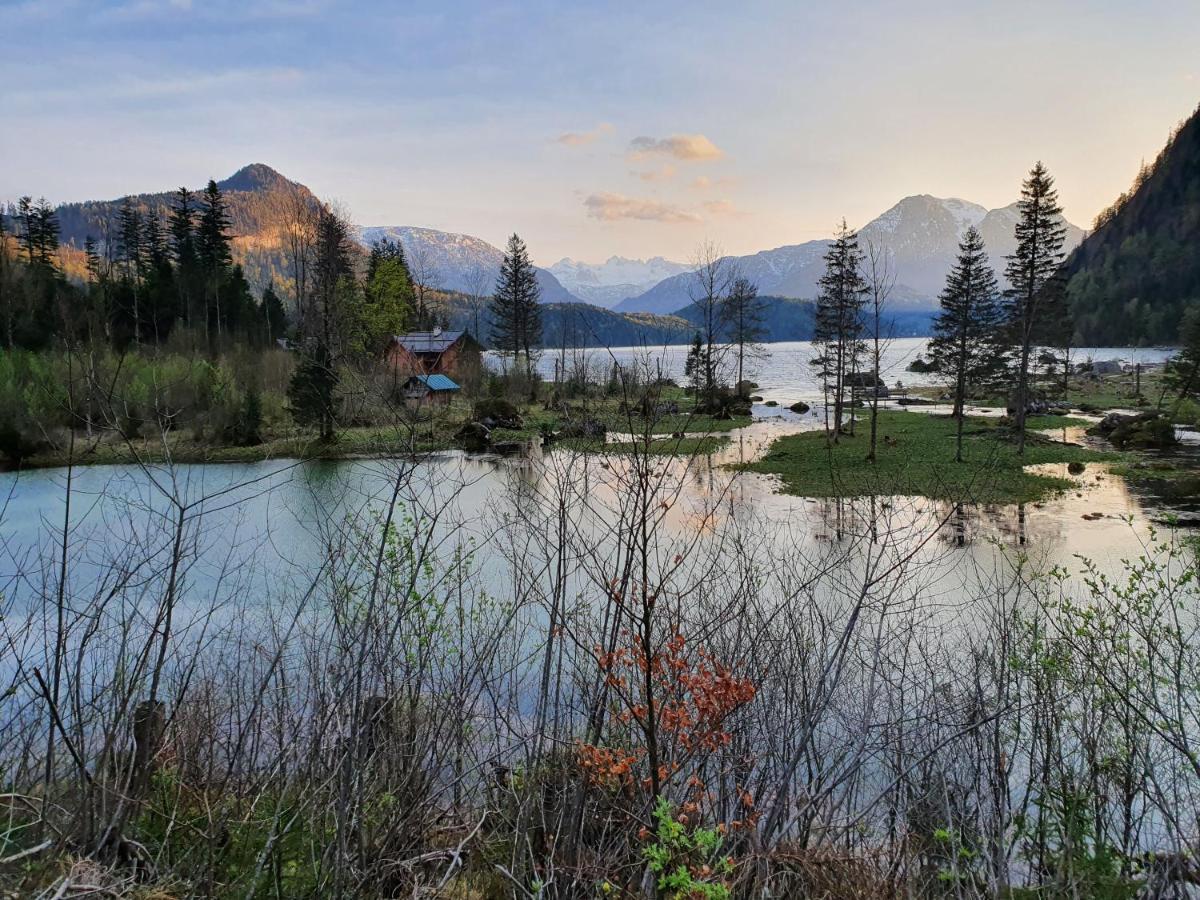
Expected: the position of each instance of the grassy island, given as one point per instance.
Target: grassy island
(915, 456)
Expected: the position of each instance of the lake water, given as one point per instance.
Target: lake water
(783, 371)
(265, 529)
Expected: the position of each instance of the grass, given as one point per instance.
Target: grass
(423, 436)
(915, 456)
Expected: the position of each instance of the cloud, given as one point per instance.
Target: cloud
(663, 174)
(611, 207)
(722, 208)
(703, 182)
(583, 138)
(686, 147)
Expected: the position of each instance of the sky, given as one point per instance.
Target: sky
(595, 129)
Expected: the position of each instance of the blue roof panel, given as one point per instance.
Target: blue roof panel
(438, 382)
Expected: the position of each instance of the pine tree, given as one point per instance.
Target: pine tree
(182, 226)
(1035, 295)
(274, 315)
(516, 315)
(838, 328)
(213, 253)
(1182, 373)
(311, 392)
(966, 345)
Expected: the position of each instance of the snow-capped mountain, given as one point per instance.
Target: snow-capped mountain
(921, 233)
(458, 262)
(615, 279)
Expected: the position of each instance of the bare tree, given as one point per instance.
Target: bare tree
(712, 274)
(881, 280)
(425, 278)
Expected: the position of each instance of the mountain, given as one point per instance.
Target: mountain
(259, 201)
(922, 233)
(615, 279)
(458, 262)
(1134, 276)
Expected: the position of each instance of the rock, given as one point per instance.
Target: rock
(800, 407)
(756, 398)
(919, 365)
(474, 436)
(1076, 468)
(496, 412)
(1036, 403)
(1146, 431)
(744, 388)
(771, 403)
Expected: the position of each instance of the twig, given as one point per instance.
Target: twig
(29, 851)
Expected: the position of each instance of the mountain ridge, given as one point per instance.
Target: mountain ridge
(921, 231)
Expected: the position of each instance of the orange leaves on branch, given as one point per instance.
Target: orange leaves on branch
(607, 766)
(694, 695)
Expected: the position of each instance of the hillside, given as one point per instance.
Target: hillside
(1131, 280)
(922, 233)
(259, 201)
(573, 324)
(458, 262)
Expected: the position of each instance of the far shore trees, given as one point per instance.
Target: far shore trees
(966, 346)
(515, 313)
(1035, 296)
(838, 331)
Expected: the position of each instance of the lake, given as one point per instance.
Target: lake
(265, 527)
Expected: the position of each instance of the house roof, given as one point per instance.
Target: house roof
(428, 341)
(436, 382)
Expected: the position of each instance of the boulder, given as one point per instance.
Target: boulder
(800, 407)
(1036, 403)
(474, 436)
(496, 412)
(745, 388)
(1075, 468)
(1147, 431)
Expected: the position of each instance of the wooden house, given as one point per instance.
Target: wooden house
(453, 353)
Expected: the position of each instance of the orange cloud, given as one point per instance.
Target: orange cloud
(583, 138)
(686, 147)
(611, 207)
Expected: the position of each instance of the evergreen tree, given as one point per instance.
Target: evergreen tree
(182, 226)
(967, 345)
(159, 290)
(129, 256)
(1182, 374)
(693, 366)
(743, 315)
(311, 392)
(274, 316)
(389, 300)
(1035, 296)
(516, 315)
(214, 254)
(838, 328)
